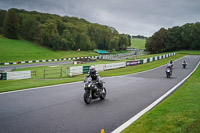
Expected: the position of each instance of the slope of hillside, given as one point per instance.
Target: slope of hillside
(138, 43)
(21, 50)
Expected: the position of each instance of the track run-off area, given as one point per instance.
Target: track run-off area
(61, 108)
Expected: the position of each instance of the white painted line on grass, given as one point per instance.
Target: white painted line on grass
(134, 118)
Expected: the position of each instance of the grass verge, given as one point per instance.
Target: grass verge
(189, 52)
(138, 43)
(9, 85)
(178, 113)
(21, 50)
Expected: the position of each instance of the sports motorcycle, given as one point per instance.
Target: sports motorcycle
(93, 90)
(168, 72)
(184, 64)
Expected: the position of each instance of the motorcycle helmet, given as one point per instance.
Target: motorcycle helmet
(92, 68)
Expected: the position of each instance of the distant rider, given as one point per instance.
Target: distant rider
(171, 61)
(184, 62)
(170, 67)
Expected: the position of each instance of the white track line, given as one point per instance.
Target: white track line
(134, 118)
(28, 89)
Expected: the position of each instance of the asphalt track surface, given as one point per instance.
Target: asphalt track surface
(61, 109)
(11, 67)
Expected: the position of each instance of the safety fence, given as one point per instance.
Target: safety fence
(61, 71)
(78, 70)
(58, 72)
(49, 60)
(116, 56)
(66, 71)
(16, 75)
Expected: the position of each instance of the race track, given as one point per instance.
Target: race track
(61, 109)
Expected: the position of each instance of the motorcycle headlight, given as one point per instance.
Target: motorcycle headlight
(89, 85)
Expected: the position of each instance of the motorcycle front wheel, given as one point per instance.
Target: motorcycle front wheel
(87, 97)
(168, 75)
(103, 95)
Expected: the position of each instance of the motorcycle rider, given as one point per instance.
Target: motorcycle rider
(95, 76)
(170, 67)
(171, 61)
(184, 62)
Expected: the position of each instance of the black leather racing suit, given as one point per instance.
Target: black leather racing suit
(95, 77)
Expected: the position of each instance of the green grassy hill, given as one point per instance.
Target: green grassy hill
(21, 50)
(138, 43)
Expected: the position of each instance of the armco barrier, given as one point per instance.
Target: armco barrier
(148, 60)
(144, 61)
(114, 65)
(132, 63)
(78, 70)
(47, 60)
(4, 76)
(101, 67)
(151, 59)
(19, 75)
(141, 61)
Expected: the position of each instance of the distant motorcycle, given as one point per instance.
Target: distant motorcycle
(168, 72)
(184, 64)
(93, 90)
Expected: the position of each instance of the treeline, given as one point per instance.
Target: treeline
(60, 33)
(186, 37)
(139, 37)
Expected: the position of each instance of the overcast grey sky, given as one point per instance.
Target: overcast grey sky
(134, 17)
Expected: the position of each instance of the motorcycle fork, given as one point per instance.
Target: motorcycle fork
(90, 93)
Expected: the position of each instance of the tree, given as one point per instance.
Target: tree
(114, 43)
(60, 33)
(29, 28)
(195, 38)
(50, 35)
(67, 40)
(83, 42)
(11, 24)
(123, 41)
(148, 44)
(158, 41)
(186, 36)
(2, 16)
(174, 40)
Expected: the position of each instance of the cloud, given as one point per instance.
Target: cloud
(143, 17)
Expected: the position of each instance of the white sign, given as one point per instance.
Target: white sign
(99, 68)
(114, 65)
